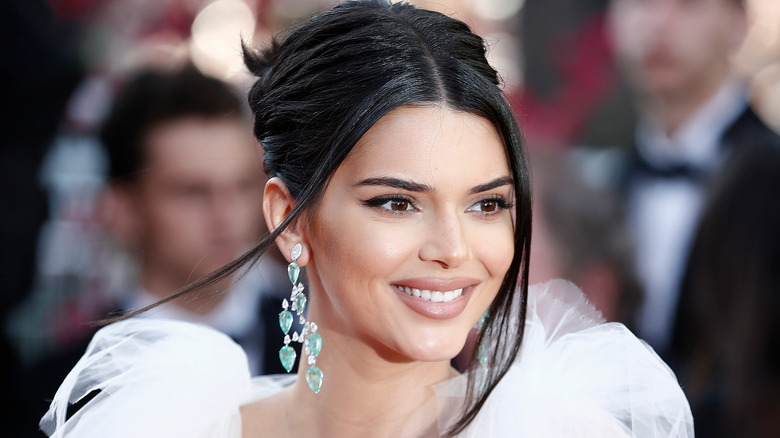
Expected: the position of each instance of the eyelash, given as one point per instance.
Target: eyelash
(379, 201)
(501, 202)
(382, 200)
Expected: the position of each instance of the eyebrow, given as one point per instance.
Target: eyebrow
(417, 187)
(498, 182)
(396, 183)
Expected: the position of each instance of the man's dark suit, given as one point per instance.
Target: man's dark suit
(746, 132)
(747, 136)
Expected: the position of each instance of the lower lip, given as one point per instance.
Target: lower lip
(436, 310)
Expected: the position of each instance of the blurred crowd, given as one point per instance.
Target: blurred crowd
(131, 170)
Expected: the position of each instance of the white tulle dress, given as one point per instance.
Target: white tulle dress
(575, 376)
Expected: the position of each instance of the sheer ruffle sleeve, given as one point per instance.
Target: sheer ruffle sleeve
(576, 376)
(155, 378)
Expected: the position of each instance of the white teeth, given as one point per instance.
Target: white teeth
(434, 296)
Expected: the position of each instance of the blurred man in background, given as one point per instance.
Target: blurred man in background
(677, 54)
(184, 198)
(185, 193)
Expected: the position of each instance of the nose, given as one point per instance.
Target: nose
(659, 16)
(445, 242)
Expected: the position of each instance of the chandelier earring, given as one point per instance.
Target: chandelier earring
(311, 340)
(482, 348)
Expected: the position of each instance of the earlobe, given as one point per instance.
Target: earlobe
(278, 203)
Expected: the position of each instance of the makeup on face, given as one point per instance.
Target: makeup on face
(414, 234)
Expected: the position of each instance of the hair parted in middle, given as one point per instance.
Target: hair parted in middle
(325, 82)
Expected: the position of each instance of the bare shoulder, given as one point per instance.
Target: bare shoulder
(264, 418)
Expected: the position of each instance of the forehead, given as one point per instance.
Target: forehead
(199, 145)
(431, 144)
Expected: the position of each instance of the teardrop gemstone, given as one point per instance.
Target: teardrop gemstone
(287, 357)
(285, 321)
(296, 251)
(314, 378)
(293, 271)
(315, 343)
(482, 352)
(300, 302)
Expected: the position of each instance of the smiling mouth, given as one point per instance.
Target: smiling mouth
(431, 295)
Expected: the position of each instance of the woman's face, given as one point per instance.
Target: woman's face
(414, 234)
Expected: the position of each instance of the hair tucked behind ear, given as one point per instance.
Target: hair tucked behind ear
(323, 83)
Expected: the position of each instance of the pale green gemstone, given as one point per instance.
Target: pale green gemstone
(482, 352)
(315, 343)
(483, 319)
(287, 357)
(300, 302)
(314, 378)
(293, 271)
(285, 321)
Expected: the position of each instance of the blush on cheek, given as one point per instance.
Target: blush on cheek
(496, 248)
(500, 261)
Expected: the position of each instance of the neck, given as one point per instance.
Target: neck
(364, 394)
(161, 282)
(672, 110)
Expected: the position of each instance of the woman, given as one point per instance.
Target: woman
(401, 186)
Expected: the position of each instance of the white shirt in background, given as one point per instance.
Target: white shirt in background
(664, 212)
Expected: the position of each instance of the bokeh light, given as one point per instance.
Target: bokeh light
(217, 32)
(496, 9)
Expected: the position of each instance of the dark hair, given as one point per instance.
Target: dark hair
(729, 326)
(323, 83)
(155, 97)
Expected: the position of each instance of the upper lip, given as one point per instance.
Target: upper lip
(437, 284)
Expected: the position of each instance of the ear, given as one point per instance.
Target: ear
(278, 203)
(119, 214)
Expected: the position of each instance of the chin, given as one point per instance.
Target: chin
(433, 357)
(444, 350)
(661, 83)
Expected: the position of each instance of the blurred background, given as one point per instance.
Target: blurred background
(585, 110)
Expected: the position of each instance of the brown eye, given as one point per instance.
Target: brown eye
(489, 206)
(399, 205)
(395, 204)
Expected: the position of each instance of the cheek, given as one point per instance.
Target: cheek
(703, 34)
(347, 254)
(628, 34)
(494, 248)
(362, 251)
(250, 202)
